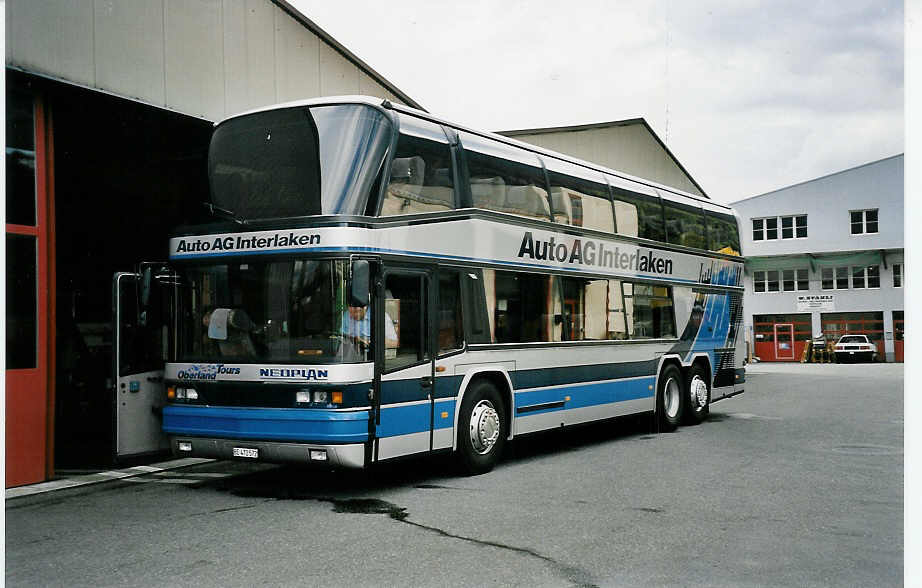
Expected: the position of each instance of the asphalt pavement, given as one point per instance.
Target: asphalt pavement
(797, 482)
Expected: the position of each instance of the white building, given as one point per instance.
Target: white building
(826, 256)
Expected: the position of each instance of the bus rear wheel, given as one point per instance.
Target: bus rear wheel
(670, 398)
(699, 395)
(482, 428)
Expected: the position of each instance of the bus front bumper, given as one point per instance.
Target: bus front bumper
(350, 455)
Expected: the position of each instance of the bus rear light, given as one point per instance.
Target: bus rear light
(318, 455)
(183, 446)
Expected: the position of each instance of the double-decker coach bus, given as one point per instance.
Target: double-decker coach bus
(382, 283)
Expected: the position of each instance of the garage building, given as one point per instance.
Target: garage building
(826, 257)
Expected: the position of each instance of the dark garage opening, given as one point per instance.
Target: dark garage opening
(126, 174)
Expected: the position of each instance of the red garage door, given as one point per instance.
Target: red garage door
(29, 299)
(836, 324)
(781, 337)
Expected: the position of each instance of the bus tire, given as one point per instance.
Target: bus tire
(699, 395)
(670, 398)
(482, 428)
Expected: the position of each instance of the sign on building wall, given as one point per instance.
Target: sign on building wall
(816, 302)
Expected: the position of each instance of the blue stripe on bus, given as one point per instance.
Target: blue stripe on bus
(414, 418)
(417, 254)
(276, 424)
(584, 395)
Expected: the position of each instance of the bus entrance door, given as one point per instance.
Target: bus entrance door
(406, 366)
(140, 347)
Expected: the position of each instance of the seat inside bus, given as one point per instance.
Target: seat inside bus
(411, 191)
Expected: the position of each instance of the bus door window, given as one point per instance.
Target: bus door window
(421, 174)
(405, 321)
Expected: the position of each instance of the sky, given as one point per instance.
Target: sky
(750, 96)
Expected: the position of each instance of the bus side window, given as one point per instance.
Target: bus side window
(524, 307)
(449, 323)
(593, 309)
(685, 225)
(580, 196)
(420, 174)
(479, 324)
(638, 215)
(649, 311)
(504, 178)
(723, 233)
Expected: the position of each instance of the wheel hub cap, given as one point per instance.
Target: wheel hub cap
(484, 427)
(699, 393)
(672, 397)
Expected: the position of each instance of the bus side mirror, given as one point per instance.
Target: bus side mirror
(358, 292)
(147, 276)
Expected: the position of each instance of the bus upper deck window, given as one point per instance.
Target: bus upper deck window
(421, 176)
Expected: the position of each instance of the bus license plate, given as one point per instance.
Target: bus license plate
(246, 452)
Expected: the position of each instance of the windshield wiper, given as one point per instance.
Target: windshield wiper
(224, 213)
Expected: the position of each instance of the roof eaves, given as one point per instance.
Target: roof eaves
(841, 171)
(605, 125)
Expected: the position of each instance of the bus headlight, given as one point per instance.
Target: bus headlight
(303, 397)
(321, 396)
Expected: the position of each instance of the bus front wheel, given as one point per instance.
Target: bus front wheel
(482, 428)
(670, 398)
(699, 395)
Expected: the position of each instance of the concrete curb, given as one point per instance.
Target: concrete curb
(102, 477)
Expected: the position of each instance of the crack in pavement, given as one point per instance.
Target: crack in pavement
(573, 574)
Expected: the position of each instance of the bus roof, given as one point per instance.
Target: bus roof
(388, 105)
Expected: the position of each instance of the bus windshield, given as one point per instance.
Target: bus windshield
(292, 311)
(298, 161)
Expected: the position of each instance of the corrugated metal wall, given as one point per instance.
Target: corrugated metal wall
(206, 58)
(629, 148)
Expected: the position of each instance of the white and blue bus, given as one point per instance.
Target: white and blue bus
(380, 283)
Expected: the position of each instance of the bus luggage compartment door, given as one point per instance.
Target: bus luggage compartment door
(140, 344)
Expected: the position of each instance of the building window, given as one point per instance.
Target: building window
(864, 221)
(766, 281)
(794, 280)
(792, 227)
(835, 278)
(866, 276)
(858, 277)
(897, 275)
